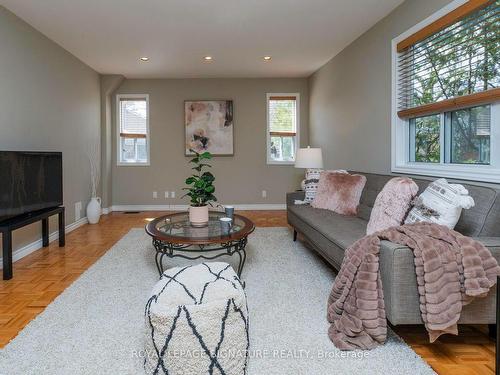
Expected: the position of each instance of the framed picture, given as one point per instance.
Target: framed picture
(209, 126)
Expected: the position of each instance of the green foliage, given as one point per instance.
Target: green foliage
(453, 63)
(427, 145)
(459, 60)
(200, 186)
(283, 114)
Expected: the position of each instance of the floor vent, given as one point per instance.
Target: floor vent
(131, 212)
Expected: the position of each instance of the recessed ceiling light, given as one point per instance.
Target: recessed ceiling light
(144, 58)
(267, 58)
(208, 58)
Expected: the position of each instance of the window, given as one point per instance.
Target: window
(282, 128)
(133, 129)
(425, 133)
(456, 137)
(446, 93)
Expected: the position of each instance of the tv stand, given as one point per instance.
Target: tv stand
(7, 226)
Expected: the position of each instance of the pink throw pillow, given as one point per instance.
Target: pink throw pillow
(392, 204)
(339, 192)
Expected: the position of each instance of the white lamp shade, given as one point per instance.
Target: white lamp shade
(309, 158)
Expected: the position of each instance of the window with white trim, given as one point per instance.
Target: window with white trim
(446, 93)
(133, 129)
(282, 128)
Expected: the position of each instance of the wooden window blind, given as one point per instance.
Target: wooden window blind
(452, 63)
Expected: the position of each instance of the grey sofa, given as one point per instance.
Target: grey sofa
(330, 234)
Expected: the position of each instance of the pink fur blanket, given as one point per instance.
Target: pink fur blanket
(451, 270)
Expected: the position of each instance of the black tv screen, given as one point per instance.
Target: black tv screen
(29, 181)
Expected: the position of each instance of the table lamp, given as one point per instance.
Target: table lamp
(308, 158)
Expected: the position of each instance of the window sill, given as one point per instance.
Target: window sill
(483, 173)
(122, 164)
(271, 162)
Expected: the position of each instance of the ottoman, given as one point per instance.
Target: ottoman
(197, 322)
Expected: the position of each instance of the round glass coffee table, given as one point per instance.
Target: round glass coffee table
(173, 236)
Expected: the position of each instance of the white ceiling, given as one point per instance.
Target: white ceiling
(111, 35)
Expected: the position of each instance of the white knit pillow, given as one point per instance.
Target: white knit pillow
(311, 184)
(440, 203)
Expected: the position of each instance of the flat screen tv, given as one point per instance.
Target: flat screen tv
(29, 181)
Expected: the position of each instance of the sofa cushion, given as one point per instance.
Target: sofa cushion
(311, 184)
(481, 219)
(341, 230)
(441, 203)
(392, 204)
(339, 192)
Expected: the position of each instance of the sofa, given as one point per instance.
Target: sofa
(330, 234)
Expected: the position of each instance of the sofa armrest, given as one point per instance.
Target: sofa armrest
(291, 197)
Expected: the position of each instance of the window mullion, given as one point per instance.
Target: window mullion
(135, 150)
(411, 138)
(443, 139)
(495, 135)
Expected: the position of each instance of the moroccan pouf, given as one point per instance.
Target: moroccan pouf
(197, 322)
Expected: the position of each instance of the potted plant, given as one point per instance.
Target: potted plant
(200, 189)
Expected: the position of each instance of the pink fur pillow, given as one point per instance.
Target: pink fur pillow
(392, 204)
(339, 192)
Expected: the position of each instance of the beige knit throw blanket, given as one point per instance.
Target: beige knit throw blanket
(451, 270)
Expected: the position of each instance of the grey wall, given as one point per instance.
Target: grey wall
(49, 101)
(350, 96)
(240, 178)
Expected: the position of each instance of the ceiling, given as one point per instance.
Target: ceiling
(111, 35)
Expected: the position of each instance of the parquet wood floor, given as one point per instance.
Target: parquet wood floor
(41, 276)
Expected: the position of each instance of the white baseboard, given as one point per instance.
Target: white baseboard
(31, 247)
(106, 210)
(183, 207)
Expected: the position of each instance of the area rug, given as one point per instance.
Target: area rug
(96, 325)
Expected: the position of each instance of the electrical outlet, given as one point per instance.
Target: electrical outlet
(172, 194)
(78, 211)
(155, 194)
(264, 194)
(166, 195)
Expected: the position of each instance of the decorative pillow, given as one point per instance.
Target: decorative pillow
(339, 192)
(311, 182)
(440, 203)
(392, 204)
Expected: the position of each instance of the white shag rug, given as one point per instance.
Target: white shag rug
(96, 325)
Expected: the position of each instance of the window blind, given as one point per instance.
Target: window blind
(133, 118)
(282, 115)
(455, 66)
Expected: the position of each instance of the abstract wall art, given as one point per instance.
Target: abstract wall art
(209, 126)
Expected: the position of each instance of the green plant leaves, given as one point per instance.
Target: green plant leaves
(206, 155)
(200, 166)
(190, 180)
(200, 186)
(208, 177)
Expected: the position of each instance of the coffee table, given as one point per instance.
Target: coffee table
(173, 236)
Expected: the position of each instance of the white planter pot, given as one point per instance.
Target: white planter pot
(94, 210)
(198, 216)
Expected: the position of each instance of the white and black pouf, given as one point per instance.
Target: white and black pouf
(197, 322)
